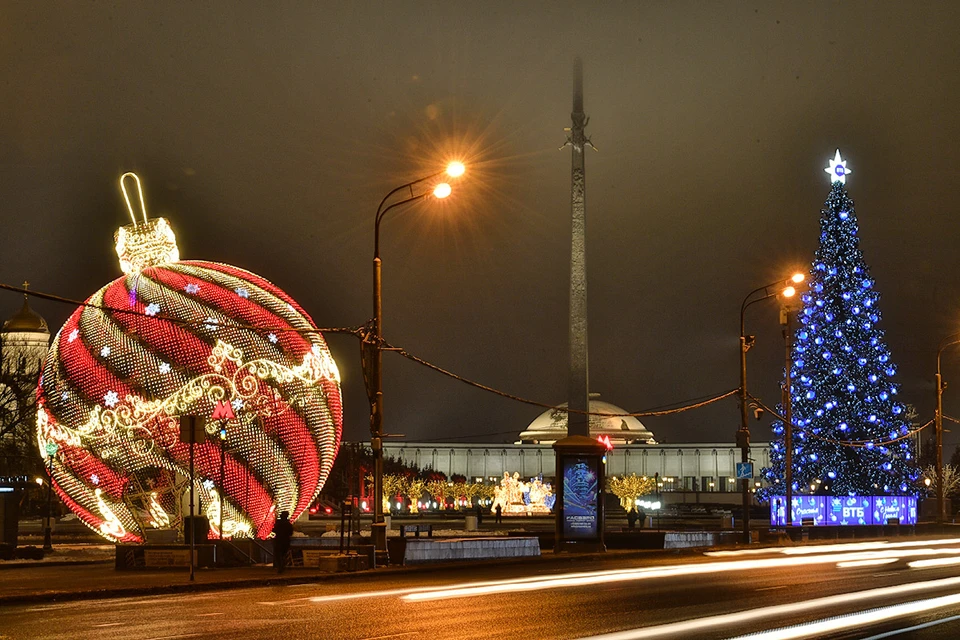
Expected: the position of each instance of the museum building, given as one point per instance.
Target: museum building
(682, 467)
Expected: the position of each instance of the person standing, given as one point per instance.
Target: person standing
(282, 532)
(632, 516)
(499, 512)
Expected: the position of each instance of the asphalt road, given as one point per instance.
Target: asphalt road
(700, 597)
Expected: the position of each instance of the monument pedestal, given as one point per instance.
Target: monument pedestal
(581, 463)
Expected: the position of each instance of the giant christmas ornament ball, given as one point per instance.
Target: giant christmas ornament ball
(178, 338)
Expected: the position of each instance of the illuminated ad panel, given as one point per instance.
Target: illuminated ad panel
(177, 339)
(580, 493)
(845, 510)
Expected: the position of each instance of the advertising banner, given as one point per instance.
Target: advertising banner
(845, 510)
(580, 493)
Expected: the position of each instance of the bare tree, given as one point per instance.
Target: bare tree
(951, 479)
(19, 451)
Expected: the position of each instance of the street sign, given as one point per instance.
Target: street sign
(744, 471)
(192, 429)
(223, 411)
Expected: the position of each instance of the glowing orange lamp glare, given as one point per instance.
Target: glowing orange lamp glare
(455, 169)
(442, 190)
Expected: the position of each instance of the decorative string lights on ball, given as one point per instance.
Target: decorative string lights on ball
(174, 338)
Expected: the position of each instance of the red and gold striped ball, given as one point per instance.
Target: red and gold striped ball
(184, 339)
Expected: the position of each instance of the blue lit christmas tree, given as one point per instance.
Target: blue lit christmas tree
(849, 427)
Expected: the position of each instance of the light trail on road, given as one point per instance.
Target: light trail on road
(622, 575)
(761, 613)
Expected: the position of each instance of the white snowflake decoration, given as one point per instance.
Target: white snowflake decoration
(243, 293)
(272, 337)
(164, 367)
(64, 396)
(192, 288)
(73, 335)
(110, 398)
(838, 169)
(105, 352)
(95, 479)
(152, 309)
(237, 404)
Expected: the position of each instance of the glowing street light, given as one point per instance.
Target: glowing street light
(373, 341)
(455, 169)
(774, 289)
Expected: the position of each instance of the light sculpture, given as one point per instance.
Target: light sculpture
(173, 338)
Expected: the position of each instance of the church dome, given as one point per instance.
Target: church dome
(26, 321)
(551, 425)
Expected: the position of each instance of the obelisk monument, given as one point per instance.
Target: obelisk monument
(579, 391)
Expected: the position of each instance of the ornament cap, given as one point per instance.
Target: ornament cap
(143, 244)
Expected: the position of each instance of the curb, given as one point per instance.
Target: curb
(54, 563)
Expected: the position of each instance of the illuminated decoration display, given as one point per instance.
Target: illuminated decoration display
(845, 511)
(851, 434)
(838, 169)
(174, 338)
(516, 497)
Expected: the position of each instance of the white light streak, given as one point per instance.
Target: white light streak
(867, 562)
(777, 611)
(862, 618)
(625, 575)
(933, 562)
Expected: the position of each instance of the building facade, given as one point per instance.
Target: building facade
(704, 467)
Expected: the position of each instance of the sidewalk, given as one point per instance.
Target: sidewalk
(42, 582)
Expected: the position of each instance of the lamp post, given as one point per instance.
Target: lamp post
(743, 433)
(374, 344)
(938, 426)
(51, 450)
(788, 307)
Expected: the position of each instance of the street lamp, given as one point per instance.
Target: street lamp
(938, 426)
(374, 342)
(786, 289)
(788, 307)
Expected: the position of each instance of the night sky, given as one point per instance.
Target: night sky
(267, 133)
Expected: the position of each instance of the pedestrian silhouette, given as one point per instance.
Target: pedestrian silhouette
(479, 516)
(499, 511)
(642, 517)
(282, 532)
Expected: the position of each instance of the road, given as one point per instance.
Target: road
(722, 595)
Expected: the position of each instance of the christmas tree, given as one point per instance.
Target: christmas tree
(851, 433)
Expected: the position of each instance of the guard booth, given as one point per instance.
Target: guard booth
(11, 491)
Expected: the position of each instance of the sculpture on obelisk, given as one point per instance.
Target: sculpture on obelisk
(578, 401)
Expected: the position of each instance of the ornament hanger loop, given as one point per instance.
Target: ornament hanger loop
(126, 197)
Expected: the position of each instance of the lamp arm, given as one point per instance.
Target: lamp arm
(381, 214)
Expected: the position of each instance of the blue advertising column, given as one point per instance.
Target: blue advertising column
(579, 488)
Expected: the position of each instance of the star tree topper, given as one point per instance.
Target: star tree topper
(838, 169)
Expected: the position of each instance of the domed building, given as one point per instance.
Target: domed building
(24, 338)
(551, 425)
(24, 341)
